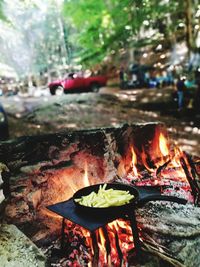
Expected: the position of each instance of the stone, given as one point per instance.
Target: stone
(17, 250)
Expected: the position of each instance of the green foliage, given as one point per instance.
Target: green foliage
(106, 25)
(87, 31)
(2, 16)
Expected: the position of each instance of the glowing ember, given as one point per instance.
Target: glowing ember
(124, 231)
(120, 241)
(114, 242)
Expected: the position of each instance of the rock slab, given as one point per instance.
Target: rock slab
(18, 250)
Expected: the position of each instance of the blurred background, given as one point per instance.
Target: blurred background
(146, 51)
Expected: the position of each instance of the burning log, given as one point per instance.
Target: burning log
(162, 167)
(190, 175)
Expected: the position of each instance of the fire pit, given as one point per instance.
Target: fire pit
(48, 170)
(93, 220)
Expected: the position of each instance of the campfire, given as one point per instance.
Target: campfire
(161, 164)
(54, 167)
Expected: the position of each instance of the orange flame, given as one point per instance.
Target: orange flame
(85, 178)
(61, 188)
(177, 153)
(134, 162)
(102, 245)
(159, 151)
(163, 145)
(124, 231)
(118, 227)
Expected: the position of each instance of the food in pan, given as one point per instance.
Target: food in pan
(105, 198)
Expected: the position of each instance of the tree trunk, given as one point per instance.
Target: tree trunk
(189, 26)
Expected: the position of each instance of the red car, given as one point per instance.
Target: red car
(77, 84)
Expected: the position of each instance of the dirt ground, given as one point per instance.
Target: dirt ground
(109, 107)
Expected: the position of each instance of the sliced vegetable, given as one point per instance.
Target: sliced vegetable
(105, 198)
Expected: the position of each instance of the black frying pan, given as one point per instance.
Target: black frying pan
(140, 198)
(108, 210)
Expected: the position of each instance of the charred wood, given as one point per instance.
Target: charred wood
(192, 181)
(95, 259)
(120, 254)
(162, 167)
(166, 257)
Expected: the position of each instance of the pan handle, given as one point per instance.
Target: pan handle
(155, 197)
